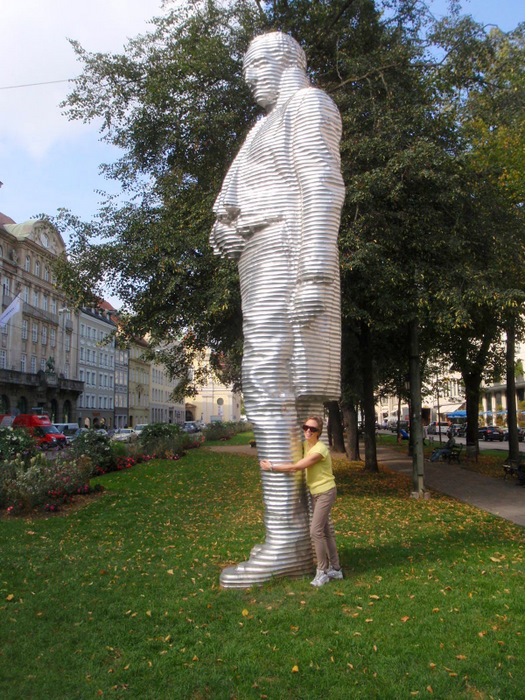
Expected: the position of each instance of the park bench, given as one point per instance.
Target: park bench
(454, 454)
(517, 470)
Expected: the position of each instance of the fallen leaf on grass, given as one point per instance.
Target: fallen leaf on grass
(295, 669)
(404, 619)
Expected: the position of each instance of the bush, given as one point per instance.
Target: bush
(15, 442)
(219, 431)
(97, 448)
(155, 433)
(43, 482)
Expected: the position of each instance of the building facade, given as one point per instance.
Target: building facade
(162, 408)
(38, 346)
(214, 401)
(139, 384)
(96, 368)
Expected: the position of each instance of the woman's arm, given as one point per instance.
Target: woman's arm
(303, 463)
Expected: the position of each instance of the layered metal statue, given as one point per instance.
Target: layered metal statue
(278, 214)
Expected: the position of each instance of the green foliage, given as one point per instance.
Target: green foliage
(219, 431)
(96, 447)
(163, 438)
(25, 486)
(15, 442)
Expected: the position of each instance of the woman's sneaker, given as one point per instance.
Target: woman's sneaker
(334, 573)
(320, 579)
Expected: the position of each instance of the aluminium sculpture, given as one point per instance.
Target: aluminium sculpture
(278, 215)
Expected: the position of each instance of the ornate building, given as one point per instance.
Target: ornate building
(38, 346)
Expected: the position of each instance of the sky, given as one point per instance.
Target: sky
(48, 162)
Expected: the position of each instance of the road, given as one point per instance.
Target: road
(494, 445)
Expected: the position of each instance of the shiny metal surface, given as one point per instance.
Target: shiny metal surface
(278, 214)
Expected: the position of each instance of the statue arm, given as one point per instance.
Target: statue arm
(317, 164)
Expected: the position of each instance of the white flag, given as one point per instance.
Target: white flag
(12, 309)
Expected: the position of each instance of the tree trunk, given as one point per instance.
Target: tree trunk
(512, 422)
(368, 402)
(352, 434)
(336, 427)
(472, 382)
(416, 428)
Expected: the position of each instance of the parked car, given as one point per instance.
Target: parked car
(190, 426)
(435, 428)
(41, 428)
(140, 427)
(68, 429)
(403, 425)
(490, 432)
(124, 435)
(521, 434)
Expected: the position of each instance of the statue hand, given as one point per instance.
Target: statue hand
(307, 303)
(227, 240)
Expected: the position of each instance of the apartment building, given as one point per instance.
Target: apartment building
(96, 368)
(38, 346)
(139, 384)
(162, 408)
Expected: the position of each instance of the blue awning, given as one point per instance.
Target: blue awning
(456, 414)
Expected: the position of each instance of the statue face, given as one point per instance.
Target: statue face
(262, 73)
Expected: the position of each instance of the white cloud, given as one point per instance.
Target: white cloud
(34, 49)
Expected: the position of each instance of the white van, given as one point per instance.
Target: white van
(67, 429)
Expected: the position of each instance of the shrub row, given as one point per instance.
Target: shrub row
(31, 479)
(226, 430)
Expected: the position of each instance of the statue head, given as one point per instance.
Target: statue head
(269, 57)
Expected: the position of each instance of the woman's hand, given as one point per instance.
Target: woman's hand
(266, 465)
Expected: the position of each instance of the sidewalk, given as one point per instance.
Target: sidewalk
(497, 496)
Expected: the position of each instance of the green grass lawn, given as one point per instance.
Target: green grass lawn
(120, 598)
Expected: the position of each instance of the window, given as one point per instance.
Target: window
(80, 399)
(66, 373)
(3, 359)
(46, 274)
(44, 335)
(52, 337)
(82, 354)
(68, 343)
(37, 268)
(111, 402)
(43, 364)
(25, 329)
(28, 264)
(105, 401)
(100, 401)
(82, 330)
(25, 295)
(53, 306)
(23, 362)
(100, 380)
(81, 375)
(36, 297)
(45, 302)
(110, 382)
(6, 286)
(34, 332)
(33, 364)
